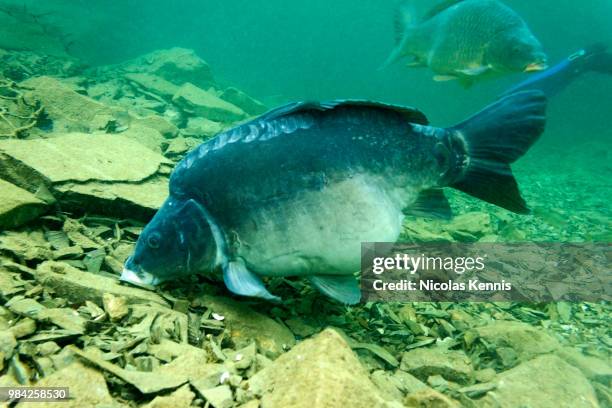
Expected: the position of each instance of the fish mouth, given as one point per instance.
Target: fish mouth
(536, 66)
(141, 279)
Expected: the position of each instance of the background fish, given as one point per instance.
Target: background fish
(296, 192)
(466, 39)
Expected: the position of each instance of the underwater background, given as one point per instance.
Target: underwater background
(277, 52)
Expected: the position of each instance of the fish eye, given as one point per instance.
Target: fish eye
(153, 240)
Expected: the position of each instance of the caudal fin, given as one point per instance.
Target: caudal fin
(496, 137)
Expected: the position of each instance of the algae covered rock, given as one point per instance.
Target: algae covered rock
(182, 397)
(595, 369)
(100, 173)
(175, 65)
(78, 286)
(87, 388)
(470, 226)
(543, 382)
(452, 365)
(68, 110)
(520, 339)
(321, 371)
(199, 102)
(202, 127)
(153, 83)
(246, 325)
(429, 397)
(17, 206)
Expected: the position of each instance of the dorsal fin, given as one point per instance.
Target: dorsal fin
(404, 17)
(440, 7)
(412, 115)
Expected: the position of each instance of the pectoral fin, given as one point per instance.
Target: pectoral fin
(342, 288)
(239, 280)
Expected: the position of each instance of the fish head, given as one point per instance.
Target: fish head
(516, 51)
(177, 242)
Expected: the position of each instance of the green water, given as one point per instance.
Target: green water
(282, 51)
(279, 51)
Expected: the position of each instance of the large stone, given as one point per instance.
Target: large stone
(319, 372)
(525, 340)
(470, 226)
(153, 83)
(202, 128)
(69, 110)
(199, 102)
(429, 398)
(543, 382)
(146, 136)
(176, 65)
(78, 286)
(100, 173)
(17, 206)
(595, 369)
(453, 365)
(167, 129)
(246, 325)
(189, 367)
(87, 388)
(179, 398)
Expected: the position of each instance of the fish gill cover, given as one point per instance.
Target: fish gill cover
(99, 102)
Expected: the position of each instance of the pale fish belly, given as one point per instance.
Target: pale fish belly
(320, 232)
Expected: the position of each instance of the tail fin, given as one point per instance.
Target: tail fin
(496, 137)
(405, 16)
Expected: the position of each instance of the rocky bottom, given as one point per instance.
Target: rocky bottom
(85, 156)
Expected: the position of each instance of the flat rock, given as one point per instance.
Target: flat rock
(451, 364)
(69, 110)
(25, 245)
(175, 65)
(146, 136)
(219, 397)
(429, 398)
(199, 102)
(525, 340)
(101, 172)
(83, 157)
(470, 226)
(187, 367)
(78, 286)
(18, 206)
(322, 371)
(245, 325)
(180, 146)
(138, 201)
(202, 128)
(594, 369)
(87, 388)
(164, 127)
(65, 318)
(179, 398)
(543, 382)
(243, 101)
(153, 83)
